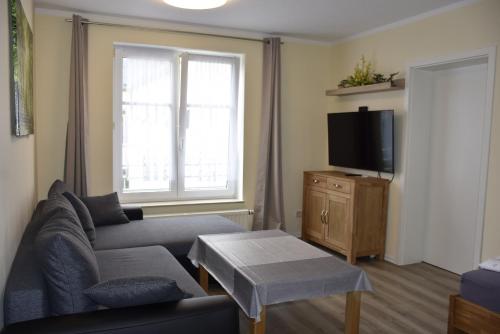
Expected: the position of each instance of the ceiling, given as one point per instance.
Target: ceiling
(320, 20)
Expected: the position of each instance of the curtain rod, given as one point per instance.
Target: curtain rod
(169, 30)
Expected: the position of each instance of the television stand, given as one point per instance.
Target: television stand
(345, 214)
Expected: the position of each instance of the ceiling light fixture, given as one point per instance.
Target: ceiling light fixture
(196, 4)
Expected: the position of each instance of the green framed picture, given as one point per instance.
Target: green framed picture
(21, 69)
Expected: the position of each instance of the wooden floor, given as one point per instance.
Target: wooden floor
(407, 299)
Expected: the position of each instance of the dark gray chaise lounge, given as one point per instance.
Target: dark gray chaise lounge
(153, 247)
(176, 234)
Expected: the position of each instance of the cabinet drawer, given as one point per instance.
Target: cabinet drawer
(338, 185)
(316, 180)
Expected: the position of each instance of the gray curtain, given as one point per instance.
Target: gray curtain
(75, 164)
(269, 189)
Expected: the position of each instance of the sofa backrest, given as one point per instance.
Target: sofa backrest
(26, 296)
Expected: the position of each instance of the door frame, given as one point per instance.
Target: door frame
(412, 252)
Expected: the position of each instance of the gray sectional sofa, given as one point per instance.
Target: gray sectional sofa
(149, 247)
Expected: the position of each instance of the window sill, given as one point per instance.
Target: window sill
(180, 203)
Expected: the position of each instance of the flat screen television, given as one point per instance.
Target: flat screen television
(362, 140)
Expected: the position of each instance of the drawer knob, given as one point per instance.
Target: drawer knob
(315, 181)
(337, 186)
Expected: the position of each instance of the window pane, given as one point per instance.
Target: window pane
(148, 128)
(210, 103)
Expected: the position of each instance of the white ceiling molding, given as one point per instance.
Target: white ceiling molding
(160, 24)
(326, 21)
(407, 21)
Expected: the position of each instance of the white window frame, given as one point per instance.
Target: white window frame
(232, 185)
(234, 189)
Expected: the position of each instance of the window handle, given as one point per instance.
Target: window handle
(181, 144)
(186, 118)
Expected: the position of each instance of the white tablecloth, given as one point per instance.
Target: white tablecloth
(270, 267)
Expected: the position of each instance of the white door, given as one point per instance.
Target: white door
(457, 120)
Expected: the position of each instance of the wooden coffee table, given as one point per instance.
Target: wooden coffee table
(270, 267)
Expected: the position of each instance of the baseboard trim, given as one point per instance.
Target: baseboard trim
(391, 260)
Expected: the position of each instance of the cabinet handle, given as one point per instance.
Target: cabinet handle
(326, 217)
(323, 216)
(337, 186)
(315, 181)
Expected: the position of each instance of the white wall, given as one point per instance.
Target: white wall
(17, 163)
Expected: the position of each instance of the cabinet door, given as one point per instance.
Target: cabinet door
(338, 220)
(314, 206)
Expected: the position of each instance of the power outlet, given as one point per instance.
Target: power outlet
(298, 214)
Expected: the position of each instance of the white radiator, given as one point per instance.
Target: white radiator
(243, 217)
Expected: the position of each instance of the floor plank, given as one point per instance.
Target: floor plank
(407, 299)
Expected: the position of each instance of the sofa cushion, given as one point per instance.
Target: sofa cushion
(68, 263)
(57, 203)
(105, 210)
(26, 295)
(145, 261)
(57, 187)
(177, 234)
(482, 287)
(133, 291)
(83, 214)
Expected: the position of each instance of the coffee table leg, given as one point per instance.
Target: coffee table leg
(203, 273)
(259, 327)
(352, 312)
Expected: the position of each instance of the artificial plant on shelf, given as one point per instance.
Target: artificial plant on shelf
(365, 75)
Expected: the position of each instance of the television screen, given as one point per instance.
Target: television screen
(362, 140)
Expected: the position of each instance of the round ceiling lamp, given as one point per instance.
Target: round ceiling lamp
(196, 4)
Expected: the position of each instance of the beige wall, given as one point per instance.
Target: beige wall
(461, 30)
(304, 81)
(304, 122)
(17, 163)
(307, 71)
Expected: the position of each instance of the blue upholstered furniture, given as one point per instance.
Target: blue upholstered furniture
(482, 287)
(477, 308)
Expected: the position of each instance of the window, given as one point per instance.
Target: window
(178, 133)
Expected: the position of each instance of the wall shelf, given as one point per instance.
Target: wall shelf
(396, 84)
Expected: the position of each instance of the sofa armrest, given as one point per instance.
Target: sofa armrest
(215, 314)
(134, 213)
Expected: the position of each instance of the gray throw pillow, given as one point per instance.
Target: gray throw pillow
(58, 187)
(83, 214)
(125, 292)
(105, 210)
(55, 203)
(68, 263)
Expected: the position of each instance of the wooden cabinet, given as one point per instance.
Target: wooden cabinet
(347, 214)
(338, 216)
(314, 208)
